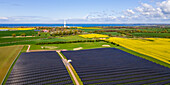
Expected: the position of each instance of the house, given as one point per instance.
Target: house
(45, 30)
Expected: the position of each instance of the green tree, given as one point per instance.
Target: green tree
(64, 33)
(23, 34)
(75, 32)
(71, 32)
(14, 35)
(110, 35)
(60, 33)
(45, 34)
(53, 35)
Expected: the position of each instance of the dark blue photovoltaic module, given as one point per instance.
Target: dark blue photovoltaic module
(112, 66)
(39, 68)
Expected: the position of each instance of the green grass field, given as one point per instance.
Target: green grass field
(7, 56)
(151, 34)
(71, 46)
(3, 40)
(155, 29)
(40, 40)
(112, 33)
(18, 33)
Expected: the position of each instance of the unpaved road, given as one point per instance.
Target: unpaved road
(69, 68)
(28, 50)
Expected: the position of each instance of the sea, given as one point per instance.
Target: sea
(71, 25)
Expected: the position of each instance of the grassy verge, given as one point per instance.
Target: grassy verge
(75, 73)
(144, 56)
(22, 50)
(71, 46)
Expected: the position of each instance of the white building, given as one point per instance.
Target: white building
(65, 23)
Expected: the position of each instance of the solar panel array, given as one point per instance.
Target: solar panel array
(113, 66)
(39, 68)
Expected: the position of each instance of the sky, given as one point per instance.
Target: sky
(85, 11)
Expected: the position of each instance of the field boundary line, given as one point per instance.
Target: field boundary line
(67, 64)
(11, 66)
(28, 50)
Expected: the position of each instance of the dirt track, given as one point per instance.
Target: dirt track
(69, 68)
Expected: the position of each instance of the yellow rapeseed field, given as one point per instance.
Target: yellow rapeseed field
(18, 28)
(94, 36)
(158, 48)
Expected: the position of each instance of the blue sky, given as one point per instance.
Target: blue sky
(85, 11)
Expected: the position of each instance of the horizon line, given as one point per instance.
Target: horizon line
(89, 23)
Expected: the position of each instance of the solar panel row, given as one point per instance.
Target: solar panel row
(113, 66)
(39, 68)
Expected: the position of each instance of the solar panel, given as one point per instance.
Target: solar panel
(113, 66)
(39, 68)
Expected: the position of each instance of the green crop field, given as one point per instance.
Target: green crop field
(151, 34)
(155, 29)
(71, 46)
(18, 33)
(7, 56)
(112, 33)
(35, 40)
(89, 30)
(3, 40)
(120, 29)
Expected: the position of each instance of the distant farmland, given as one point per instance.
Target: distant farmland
(113, 66)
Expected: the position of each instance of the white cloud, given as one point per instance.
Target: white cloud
(144, 13)
(165, 6)
(5, 18)
(130, 11)
(122, 16)
(159, 12)
(147, 6)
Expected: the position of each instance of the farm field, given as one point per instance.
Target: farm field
(157, 48)
(151, 34)
(18, 28)
(112, 33)
(35, 40)
(155, 29)
(149, 29)
(39, 68)
(71, 46)
(98, 60)
(89, 30)
(4, 40)
(7, 56)
(94, 36)
(18, 33)
(89, 27)
(113, 66)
